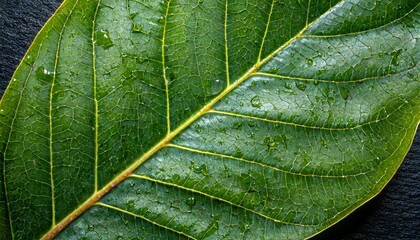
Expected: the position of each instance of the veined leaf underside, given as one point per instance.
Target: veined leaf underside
(207, 119)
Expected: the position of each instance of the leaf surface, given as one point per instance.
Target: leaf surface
(207, 119)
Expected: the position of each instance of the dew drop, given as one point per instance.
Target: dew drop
(256, 102)
(215, 87)
(91, 227)
(202, 169)
(29, 59)
(251, 124)
(103, 39)
(309, 62)
(394, 56)
(238, 125)
(344, 92)
(44, 74)
(301, 86)
(272, 70)
(190, 201)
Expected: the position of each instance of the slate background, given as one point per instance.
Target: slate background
(393, 214)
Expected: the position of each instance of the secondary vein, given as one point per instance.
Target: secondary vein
(168, 117)
(142, 217)
(95, 99)
(60, 37)
(226, 45)
(265, 32)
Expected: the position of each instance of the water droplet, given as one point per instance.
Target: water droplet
(138, 191)
(394, 56)
(320, 71)
(190, 201)
(241, 104)
(29, 59)
(238, 125)
(136, 28)
(14, 79)
(202, 169)
(269, 142)
(324, 144)
(272, 70)
(309, 62)
(256, 102)
(103, 39)
(215, 87)
(44, 74)
(301, 86)
(91, 227)
(344, 92)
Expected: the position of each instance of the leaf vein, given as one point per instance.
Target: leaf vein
(333, 81)
(142, 217)
(168, 120)
(262, 164)
(217, 198)
(226, 44)
(60, 38)
(266, 31)
(95, 97)
(364, 31)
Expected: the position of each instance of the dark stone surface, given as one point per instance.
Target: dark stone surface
(393, 214)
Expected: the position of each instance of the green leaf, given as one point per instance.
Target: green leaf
(207, 119)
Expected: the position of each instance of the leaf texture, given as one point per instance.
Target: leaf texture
(207, 119)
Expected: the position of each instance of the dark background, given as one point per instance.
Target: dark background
(393, 214)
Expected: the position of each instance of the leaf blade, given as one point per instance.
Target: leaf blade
(210, 103)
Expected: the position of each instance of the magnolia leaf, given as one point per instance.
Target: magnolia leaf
(207, 119)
